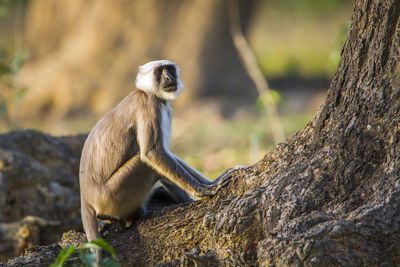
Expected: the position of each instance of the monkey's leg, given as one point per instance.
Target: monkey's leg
(159, 198)
(127, 189)
(126, 170)
(179, 195)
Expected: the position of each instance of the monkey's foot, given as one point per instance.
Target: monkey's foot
(136, 215)
(106, 219)
(128, 223)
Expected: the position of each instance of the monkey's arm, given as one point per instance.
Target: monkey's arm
(154, 153)
(166, 165)
(199, 177)
(219, 180)
(179, 195)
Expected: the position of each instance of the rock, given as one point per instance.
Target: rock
(17, 236)
(39, 189)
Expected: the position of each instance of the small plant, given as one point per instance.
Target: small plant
(87, 257)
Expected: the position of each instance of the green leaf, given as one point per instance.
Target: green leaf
(109, 262)
(63, 255)
(102, 244)
(87, 257)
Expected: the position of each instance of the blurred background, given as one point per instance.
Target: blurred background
(65, 63)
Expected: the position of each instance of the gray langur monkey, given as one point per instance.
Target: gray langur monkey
(126, 153)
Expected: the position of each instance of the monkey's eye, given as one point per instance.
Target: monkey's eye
(172, 71)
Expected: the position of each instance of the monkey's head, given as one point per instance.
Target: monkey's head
(160, 78)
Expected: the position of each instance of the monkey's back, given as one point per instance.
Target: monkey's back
(110, 143)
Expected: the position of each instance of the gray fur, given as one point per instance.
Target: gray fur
(126, 153)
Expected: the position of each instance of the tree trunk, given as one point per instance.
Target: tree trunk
(85, 54)
(329, 195)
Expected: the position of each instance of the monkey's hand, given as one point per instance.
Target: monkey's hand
(220, 182)
(227, 174)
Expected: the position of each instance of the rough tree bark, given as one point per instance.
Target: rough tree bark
(328, 195)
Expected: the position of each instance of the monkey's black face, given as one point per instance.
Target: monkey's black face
(166, 78)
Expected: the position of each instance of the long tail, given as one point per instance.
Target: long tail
(90, 226)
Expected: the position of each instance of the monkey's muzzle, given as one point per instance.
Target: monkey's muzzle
(170, 88)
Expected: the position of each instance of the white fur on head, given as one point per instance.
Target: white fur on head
(145, 80)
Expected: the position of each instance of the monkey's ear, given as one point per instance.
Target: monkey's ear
(145, 81)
